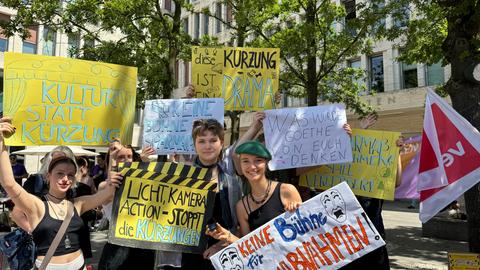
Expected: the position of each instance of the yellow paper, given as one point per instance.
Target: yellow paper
(463, 261)
(55, 100)
(160, 212)
(247, 78)
(372, 172)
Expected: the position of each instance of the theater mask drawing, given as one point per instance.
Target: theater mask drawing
(230, 259)
(334, 205)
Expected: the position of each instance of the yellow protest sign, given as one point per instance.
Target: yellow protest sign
(55, 100)
(162, 206)
(463, 261)
(372, 172)
(247, 78)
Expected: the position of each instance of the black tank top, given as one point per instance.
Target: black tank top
(48, 227)
(266, 212)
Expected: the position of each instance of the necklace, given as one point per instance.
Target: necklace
(265, 196)
(61, 212)
(60, 199)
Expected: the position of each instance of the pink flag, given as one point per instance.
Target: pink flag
(410, 160)
(449, 157)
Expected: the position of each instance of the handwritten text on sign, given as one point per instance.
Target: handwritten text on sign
(372, 172)
(56, 100)
(326, 232)
(162, 206)
(301, 137)
(247, 78)
(168, 122)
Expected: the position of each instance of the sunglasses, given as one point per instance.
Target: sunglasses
(205, 122)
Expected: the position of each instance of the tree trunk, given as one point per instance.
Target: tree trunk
(461, 51)
(311, 83)
(173, 51)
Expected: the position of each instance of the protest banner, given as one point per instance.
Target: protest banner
(372, 172)
(247, 78)
(309, 136)
(162, 206)
(55, 100)
(326, 232)
(167, 124)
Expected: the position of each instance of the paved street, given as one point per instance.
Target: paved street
(407, 249)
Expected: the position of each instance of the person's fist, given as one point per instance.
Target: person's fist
(6, 127)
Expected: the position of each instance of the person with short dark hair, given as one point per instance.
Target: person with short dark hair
(19, 171)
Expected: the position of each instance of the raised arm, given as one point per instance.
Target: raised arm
(26, 202)
(104, 194)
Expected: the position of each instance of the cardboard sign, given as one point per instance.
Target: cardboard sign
(162, 206)
(372, 172)
(167, 124)
(309, 136)
(65, 101)
(463, 261)
(326, 232)
(247, 78)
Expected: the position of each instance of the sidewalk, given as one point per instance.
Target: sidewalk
(406, 247)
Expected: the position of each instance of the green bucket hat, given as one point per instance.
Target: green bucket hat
(254, 148)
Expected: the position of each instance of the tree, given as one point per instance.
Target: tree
(316, 38)
(449, 31)
(151, 38)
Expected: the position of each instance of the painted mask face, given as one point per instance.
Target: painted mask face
(230, 259)
(335, 206)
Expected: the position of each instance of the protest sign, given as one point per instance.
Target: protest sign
(410, 158)
(55, 100)
(326, 232)
(309, 136)
(463, 261)
(247, 78)
(372, 172)
(162, 206)
(167, 124)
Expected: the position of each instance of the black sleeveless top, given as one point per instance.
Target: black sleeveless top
(48, 227)
(266, 212)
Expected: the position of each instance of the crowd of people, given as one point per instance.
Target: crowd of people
(248, 196)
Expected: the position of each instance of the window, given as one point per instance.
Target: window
(30, 44)
(196, 26)
(376, 73)
(168, 5)
(350, 9)
(357, 64)
(409, 76)
(206, 22)
(380, 6)
(435, 75)
(218, 14)
(49, 40)
(402, 16)
(229, 14)
(3, 38)
(73, 45)
(185, 25)
(186, 73)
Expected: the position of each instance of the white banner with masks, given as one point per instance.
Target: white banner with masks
(327, 232)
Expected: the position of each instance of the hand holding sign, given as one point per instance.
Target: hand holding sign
(6, 127)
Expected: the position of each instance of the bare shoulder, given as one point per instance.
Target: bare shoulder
(287, 189)
(241, 211)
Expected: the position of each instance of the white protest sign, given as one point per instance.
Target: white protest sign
(309, 136)
(167, 124)
(326, 232)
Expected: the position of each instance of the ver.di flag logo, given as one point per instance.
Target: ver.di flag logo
(449, 157)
